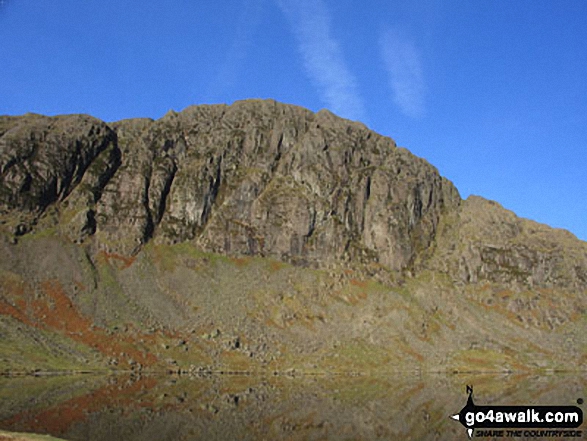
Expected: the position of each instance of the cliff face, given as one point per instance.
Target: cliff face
(264, 179)
(256, 178)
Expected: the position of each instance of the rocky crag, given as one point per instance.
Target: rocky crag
(263, 237)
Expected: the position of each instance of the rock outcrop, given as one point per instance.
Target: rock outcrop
(255, 178)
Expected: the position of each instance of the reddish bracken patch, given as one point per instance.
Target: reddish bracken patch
(18, 314)
(65, 317)
(15, 290)
(359, 283)
(276, 266)
(55, 311)
(124, 260)
(240, 261)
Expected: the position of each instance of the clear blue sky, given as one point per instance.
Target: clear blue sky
(493, 93)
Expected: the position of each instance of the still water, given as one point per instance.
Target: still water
(220, 407)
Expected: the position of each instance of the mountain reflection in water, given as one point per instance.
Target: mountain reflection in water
(229, 407)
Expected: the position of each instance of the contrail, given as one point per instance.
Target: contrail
(323, 58)
(406, 77)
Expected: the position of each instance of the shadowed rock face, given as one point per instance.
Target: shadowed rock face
(124, 222)
(43, 159)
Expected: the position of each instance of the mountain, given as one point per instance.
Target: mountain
(263, 237)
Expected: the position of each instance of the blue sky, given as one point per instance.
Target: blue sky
(493, 93)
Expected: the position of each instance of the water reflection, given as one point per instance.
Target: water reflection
(402, 407)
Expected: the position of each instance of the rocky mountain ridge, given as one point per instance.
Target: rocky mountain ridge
(261, 179)
(255, 178)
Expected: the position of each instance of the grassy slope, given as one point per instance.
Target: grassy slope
(175, 307)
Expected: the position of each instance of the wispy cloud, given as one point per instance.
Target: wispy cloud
(323, 57)
(406, 77)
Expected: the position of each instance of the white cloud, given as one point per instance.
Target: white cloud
(406, 77)
(323, 57)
